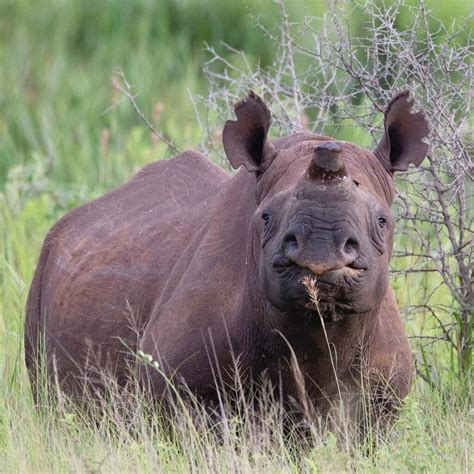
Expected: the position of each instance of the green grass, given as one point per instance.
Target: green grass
(65, 138)
(433, 434)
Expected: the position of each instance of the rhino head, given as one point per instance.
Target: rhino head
(322, 207)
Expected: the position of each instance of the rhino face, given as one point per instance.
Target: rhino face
(324, 224)
(323, 208)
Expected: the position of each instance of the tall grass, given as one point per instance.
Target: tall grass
(433, 434)
(66, 136)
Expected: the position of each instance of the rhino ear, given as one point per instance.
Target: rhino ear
(402, 142)
(245, 139)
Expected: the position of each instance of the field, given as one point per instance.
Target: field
(67, 135)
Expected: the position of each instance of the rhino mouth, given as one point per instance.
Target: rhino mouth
(332, 283)
(335, 291)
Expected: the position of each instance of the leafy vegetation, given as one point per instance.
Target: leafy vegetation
(67, 135)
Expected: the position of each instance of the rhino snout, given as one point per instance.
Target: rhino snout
(320, 256)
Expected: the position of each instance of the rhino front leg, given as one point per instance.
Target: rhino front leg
(389, 368)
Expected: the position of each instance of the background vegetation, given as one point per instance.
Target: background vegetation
(67, 135)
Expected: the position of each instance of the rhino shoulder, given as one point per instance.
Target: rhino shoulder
(190, 165)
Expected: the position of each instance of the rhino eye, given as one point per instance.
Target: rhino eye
(382, 221)
(266, 217)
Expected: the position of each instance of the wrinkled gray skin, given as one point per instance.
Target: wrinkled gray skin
(336, 233)
(197, 268)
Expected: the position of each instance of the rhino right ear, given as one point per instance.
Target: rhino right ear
(245, 139)
(402, 143)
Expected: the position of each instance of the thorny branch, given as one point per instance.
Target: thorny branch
(125, 88)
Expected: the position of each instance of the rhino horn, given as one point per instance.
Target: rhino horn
(327, 164)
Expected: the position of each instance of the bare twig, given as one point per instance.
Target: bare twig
(126, 89)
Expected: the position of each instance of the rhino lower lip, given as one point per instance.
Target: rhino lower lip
(323, 283)
(329, 310)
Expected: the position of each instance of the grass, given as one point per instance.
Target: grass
(65, 138)
(433, 434)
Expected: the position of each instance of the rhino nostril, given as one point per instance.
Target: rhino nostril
(351, 249)
(290, 245)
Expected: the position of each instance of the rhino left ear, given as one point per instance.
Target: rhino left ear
(402, 142)
(245, 139)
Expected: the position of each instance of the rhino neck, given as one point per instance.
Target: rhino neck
(230, 226)
(329, 364)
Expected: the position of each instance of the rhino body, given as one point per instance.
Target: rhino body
(199, 268)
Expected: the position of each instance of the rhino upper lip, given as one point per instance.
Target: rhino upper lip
(282, 264)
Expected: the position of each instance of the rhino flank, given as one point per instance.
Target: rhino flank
(196, 268)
